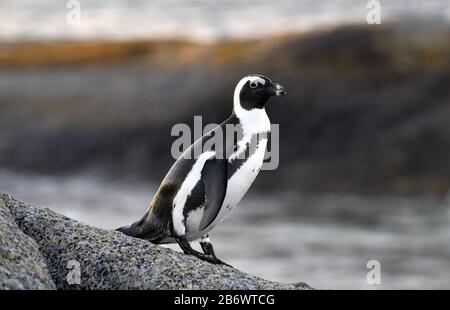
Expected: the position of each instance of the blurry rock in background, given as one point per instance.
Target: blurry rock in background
(367, 111)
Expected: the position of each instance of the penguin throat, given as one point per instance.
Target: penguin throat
(252, 121)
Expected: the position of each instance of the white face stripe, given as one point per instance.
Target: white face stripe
(257, 80)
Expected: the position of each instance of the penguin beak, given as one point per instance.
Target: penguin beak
(278, 89)
(274, 90)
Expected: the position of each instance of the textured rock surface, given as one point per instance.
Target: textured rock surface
(111, 260)
(21, 264)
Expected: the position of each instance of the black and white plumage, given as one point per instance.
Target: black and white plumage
(199, 192)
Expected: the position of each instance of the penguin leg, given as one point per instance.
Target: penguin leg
(187, 249)
(208, 249)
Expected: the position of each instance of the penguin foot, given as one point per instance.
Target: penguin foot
(208, 249)
(209, 258)
(219, 262)
(187, 249)
(212, 259)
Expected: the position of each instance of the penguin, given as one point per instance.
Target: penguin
(198, 192)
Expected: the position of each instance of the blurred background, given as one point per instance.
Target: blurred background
(87, 106)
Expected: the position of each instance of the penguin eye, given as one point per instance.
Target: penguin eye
(253, 84)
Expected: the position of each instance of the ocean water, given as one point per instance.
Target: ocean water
(324, 240)
(198, 19)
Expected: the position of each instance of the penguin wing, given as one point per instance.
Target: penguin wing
(214, 177)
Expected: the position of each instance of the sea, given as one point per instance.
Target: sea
(204, 20)
(330, 241)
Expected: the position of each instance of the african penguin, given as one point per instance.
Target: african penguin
(198, 192)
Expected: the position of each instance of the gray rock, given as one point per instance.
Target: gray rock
(84, 257)
(21, 264)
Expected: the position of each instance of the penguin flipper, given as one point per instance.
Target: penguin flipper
(214, 177)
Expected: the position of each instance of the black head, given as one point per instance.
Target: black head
(254, 90)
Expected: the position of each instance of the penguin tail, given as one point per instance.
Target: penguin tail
(132, 230)
(146, 228)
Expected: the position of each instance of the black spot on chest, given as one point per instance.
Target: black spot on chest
(250, 149)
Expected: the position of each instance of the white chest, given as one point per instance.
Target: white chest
(237, 186)
(253, 122)
(243, 178)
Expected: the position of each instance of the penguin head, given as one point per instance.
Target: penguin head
(254, 90)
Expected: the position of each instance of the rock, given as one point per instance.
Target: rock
(79, 256)
(21, 264)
